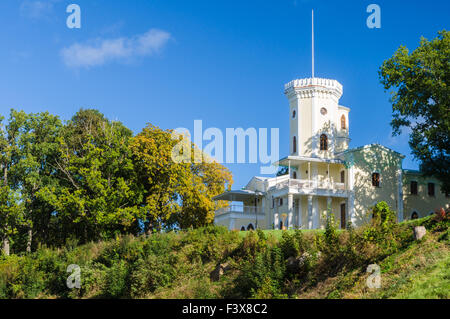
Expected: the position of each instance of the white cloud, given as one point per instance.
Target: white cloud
(102, 51)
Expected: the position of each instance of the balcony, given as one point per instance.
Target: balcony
(311, 187)
(239, 209)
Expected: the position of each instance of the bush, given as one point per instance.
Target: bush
(289, 245)
(177, 264)
(116, 280)
(262, 276)
(150, 274)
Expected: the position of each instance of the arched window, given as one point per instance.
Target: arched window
(242, 228)
(294, 144)
(323, 142)
(250, 227)
(343, 122)
(376, 179)
(414, 215)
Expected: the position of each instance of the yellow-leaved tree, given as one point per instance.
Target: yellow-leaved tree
(177, 193)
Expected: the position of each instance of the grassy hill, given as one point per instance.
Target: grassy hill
(262, 264)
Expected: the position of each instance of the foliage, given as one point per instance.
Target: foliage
(283, 171)
(262, 271)
(96, 193)
(176, 264)
(89, 179)
(420, 98)
(177, 194)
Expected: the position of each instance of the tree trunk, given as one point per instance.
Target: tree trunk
(6, 246)
(30, 228)
(6, 239)
(30, 239)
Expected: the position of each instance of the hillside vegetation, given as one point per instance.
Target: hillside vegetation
(319, 264)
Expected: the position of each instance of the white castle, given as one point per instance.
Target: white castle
(325, 176)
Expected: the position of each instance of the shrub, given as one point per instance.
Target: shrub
(441, 215)
(116, 280)
(331, 234)
(441, 219)
(262, 276)
(289, 245)
(150, 274)
(251, 245)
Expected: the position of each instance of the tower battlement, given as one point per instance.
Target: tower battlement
(305, 88)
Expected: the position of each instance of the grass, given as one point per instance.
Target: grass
(421, 271)
(432, 282)
(277, 233)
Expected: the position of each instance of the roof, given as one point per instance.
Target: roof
(285, 160)
(412, 172)
(261, 178)
(387, 149)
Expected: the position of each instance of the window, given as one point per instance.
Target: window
(342, 176)
(430, 189)
(294, 175)
(323, 111)
(294, 113)
(280, 202)
(414, 215)
(250, 227)
(413, 188)
(273, 202)
(294, 144)
(242, 228)
(323, 142)
(376, 179)
(343, 122)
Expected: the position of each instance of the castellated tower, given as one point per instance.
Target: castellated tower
(319, 126)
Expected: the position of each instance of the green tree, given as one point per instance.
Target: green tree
(97, 194)
(10, 204)
(34, 167)
(420, 96)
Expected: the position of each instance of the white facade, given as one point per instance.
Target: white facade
(324, 176)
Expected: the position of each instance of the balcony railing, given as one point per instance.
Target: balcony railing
(309, 184)
(239, 209)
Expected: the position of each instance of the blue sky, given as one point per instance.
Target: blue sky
(225, 62)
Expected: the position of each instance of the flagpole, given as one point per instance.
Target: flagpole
(312, 40)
